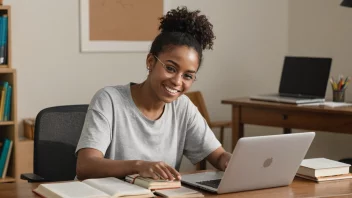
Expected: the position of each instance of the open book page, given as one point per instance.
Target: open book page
(115, 187)
(73, 189)
(179, 192)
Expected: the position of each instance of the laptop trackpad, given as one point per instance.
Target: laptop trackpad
(205, 176)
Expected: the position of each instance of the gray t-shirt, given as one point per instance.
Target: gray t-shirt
(116, 127)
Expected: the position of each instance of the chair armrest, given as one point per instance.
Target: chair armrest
(31, 177)
(224, 124)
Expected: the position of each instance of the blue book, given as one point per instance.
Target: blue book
(3, 156)
(8, 104)
(1, 35)
(3, 38)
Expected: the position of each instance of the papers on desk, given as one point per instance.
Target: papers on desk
(328, 104)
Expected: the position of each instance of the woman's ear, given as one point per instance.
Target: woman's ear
(150, 62)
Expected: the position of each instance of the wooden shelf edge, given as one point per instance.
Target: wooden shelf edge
(6, 70)
(3, 123)
(7, 179)
(4, 7)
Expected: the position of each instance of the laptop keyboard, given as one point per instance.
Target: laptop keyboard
(212, 183)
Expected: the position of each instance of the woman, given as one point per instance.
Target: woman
(146, 128)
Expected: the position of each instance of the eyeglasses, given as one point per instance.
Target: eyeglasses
(172, 71)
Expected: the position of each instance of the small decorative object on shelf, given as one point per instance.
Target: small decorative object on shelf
(29, 128)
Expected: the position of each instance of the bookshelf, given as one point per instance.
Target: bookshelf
(8, 129)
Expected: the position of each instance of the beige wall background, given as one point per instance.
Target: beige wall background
(252, 39)
(323, 28)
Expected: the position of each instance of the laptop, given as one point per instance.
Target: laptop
(257, 163)
(303, 80)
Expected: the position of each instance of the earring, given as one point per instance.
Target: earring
(148, 68)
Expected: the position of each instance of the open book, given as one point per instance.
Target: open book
(152, 184)
(102, 187)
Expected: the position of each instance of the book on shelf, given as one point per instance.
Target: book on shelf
(3, 38)
(322, 167)
(152, 184)
(3, 87)
(7, 110)
(181, 192)
(101, 187)
(327, 178)
(5, 156)
(8, 155)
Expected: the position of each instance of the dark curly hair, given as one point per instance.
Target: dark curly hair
(181, 27)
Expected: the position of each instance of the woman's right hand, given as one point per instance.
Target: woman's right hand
(157, 170)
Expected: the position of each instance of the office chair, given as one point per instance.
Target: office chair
(56, 134)
(197, 98)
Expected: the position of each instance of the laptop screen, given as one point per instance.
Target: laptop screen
(307, 76)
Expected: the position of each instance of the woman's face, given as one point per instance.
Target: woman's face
(173, 72)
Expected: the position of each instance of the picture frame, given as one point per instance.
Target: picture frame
(113, 45)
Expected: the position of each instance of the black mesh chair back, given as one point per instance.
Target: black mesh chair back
(56, 134)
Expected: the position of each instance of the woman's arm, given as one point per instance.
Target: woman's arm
(219, 158)
(92, 164)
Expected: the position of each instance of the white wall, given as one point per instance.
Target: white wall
(252, 39)
(323, 28)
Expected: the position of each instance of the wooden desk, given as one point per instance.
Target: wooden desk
(299, 188)
(287, 116)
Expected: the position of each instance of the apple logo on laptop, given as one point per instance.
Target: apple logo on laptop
(267, 162)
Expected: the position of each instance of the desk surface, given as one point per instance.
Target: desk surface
(245, 101)
(287, 116)
(299, 188)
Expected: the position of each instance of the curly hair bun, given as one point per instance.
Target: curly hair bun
(190, 22)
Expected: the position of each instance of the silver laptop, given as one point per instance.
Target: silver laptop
(303, 80)
(256, 163)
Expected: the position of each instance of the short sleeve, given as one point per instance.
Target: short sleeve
(200, 139)
(97, 132)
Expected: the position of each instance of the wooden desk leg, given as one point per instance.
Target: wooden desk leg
(237, 126)
(287, 130)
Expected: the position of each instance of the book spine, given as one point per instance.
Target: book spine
(8, 104)
(3, 39)
(4, 154)
(3, 99)
(8, 155)
(1, 35)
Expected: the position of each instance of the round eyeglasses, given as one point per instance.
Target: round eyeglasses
(188, 77)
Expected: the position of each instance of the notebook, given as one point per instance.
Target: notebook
(303, 80)
(256, 163)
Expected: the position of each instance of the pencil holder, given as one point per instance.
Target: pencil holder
(338, 96)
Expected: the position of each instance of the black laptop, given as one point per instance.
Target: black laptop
(303, 80)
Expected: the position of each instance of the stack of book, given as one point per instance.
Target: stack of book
(322, 169)
(152, 184)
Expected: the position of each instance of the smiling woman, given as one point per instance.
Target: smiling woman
(145, 128)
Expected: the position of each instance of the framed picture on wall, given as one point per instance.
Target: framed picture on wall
(119, 25)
